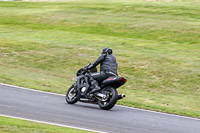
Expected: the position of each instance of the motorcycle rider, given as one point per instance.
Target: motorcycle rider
(108, 67)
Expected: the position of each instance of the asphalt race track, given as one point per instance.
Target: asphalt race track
(47, 107)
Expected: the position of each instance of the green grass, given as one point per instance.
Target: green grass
(157, 45)
(11, 125)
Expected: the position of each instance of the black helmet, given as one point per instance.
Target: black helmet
(106, 50)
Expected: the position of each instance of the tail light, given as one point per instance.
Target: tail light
(123, 80)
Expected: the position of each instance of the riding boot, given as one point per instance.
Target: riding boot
(96, 89)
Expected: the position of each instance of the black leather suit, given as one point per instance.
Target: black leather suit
(108, 67)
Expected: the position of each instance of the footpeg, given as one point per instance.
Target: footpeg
(121, 96)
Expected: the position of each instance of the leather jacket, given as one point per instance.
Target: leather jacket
(107, 63)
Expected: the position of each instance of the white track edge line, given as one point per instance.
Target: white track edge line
(50, 123)
(163, 113)
(116, 105)
(32, 89)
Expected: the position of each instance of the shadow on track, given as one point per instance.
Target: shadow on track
(93, 107)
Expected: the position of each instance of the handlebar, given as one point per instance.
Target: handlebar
(85, 70)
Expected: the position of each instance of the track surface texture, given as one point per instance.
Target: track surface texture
(53, 108)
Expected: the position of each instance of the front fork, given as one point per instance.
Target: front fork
(75, 88)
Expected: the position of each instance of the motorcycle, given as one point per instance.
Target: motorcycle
(106, 98)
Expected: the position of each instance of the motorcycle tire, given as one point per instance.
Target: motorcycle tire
(111, 101)
(71, 97)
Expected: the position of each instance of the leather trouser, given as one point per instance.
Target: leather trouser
(98, 77)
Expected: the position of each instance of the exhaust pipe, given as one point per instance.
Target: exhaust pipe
(121, 96)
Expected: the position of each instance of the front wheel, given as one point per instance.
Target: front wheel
(112, 97)
(72, 95)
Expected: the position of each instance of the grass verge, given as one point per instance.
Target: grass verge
(157, 45)
(12, 125)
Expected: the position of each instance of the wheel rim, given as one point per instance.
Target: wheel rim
(71, 95)
(109, 98)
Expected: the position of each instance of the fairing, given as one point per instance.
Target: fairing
(116, 82)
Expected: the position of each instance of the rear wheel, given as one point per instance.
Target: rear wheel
(110, 100)
(72, 95)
